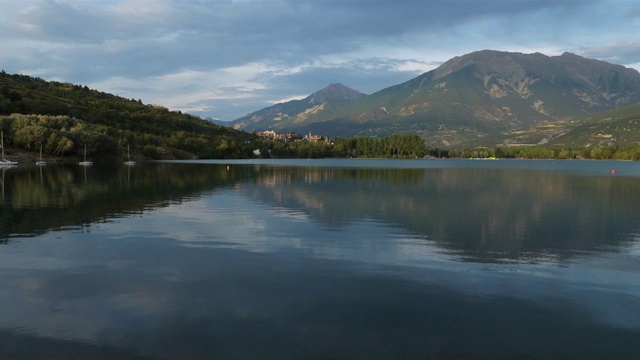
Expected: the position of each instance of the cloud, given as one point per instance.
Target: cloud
(189, 90)
(623, 52)
(227, 58)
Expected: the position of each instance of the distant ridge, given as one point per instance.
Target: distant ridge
(274, 116)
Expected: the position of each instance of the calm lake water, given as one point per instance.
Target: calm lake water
(347, 259)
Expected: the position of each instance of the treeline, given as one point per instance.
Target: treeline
(66, 136)
(593, 153)
(393, 146)
(412, 147)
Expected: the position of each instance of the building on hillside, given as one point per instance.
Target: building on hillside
(291, 136)
(269, 134)
(272, 135)
(315, 138)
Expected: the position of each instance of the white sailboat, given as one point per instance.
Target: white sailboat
(41, 162)
(3, 161)
(129, 162)
(85, 162)
(2, 170)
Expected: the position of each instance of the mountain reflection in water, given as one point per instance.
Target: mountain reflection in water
(479, 214)
(321, 259)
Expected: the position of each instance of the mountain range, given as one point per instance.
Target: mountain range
(464, 101)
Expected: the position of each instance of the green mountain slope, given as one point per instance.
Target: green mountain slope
(474, 96)
(52, 111)
(619, 127)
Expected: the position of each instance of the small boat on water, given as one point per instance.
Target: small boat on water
(85, 162)
(3, 161)
(41, 162)
(129, 162)
(8, 163)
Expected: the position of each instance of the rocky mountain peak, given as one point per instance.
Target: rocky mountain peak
(492, 62)
(334, 92)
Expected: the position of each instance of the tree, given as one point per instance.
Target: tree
(64, 145)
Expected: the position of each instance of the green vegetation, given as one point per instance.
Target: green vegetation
(594, 153)
(393, 146)
(63, 118)
(412, 147)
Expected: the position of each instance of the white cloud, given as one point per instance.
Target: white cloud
(287, 99)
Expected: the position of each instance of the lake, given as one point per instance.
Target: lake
(339, 259)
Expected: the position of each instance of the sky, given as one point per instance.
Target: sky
(225, 59)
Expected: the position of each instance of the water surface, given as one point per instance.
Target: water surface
(322, 259)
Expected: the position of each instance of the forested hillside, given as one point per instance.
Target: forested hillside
(63, 118)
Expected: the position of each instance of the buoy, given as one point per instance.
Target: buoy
(227, 167)
(613, 171)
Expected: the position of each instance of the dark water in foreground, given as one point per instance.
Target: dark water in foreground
(321, 259)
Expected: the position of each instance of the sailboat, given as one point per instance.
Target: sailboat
(85, 162)
(3, 161)
(2, 169)
(41, 162)
(129, 162)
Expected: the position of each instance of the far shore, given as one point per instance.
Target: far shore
(30, 157)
